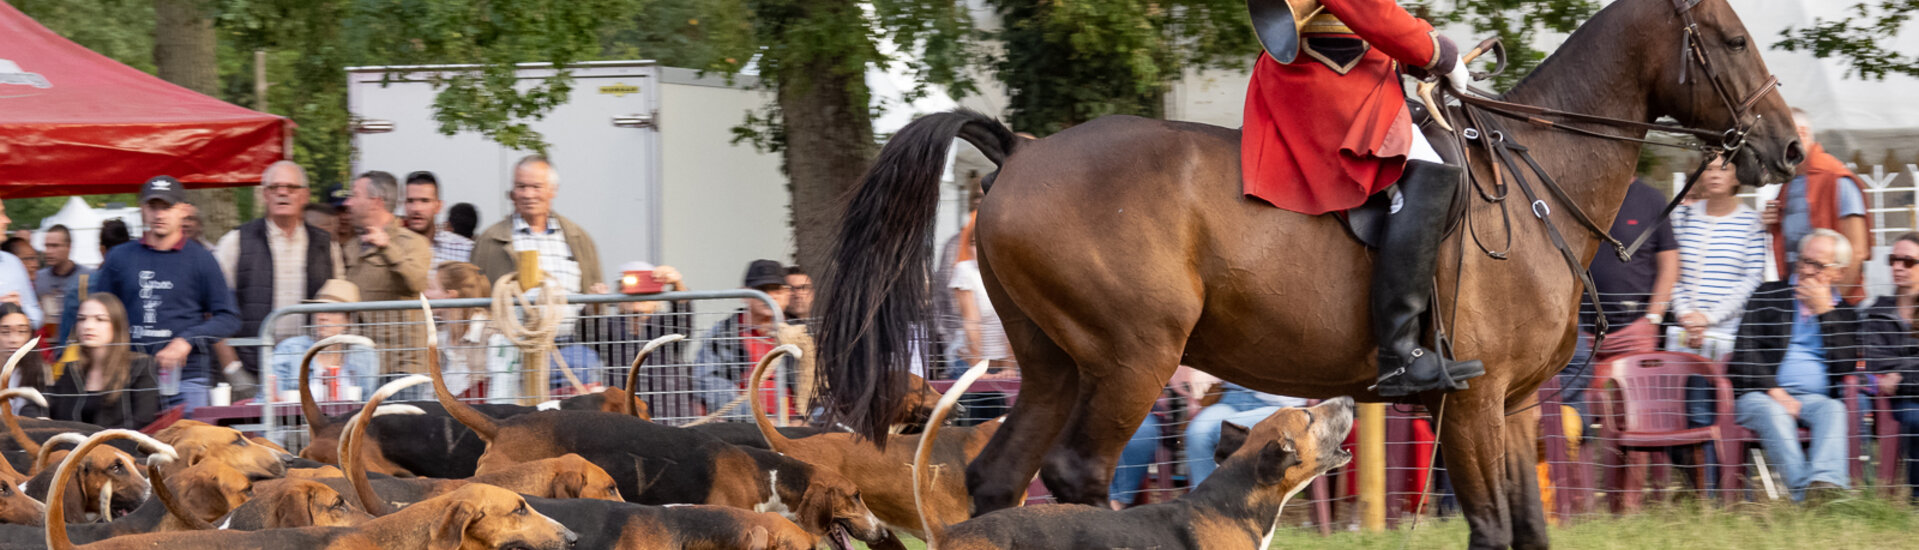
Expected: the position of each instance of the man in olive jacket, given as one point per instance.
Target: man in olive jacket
(566, 251)
(387, 261)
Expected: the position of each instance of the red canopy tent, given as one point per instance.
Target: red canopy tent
(73, 122)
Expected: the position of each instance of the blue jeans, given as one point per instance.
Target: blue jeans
(1133, 461)
(1202, 434)
(193, 393)
(1906, 411)
(1779, 435)
(422, 392)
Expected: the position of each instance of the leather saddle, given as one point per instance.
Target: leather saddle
(1368, 222)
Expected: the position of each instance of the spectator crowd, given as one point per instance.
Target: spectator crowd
(143, 332)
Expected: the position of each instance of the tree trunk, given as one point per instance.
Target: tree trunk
(829, 144)
(183, 51)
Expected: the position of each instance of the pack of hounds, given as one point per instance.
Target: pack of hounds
(594, 472)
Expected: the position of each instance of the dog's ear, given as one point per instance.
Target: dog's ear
(757, 538)
(815, 512)
(1274, 459)
(450, 534)
(204, 498)
(292, 509)
(1231, 438)
(569, 485)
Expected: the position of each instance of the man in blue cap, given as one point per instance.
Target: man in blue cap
(176, 297)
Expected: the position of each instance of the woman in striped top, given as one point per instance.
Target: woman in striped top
(1722, 257)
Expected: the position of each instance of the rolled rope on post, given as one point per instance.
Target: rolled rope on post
(533, 335)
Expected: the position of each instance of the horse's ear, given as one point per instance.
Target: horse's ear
(1231, 438)
(1274, 459)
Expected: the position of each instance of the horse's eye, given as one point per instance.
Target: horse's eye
(1737, 43)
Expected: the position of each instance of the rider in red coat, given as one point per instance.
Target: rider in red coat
(1327, 126)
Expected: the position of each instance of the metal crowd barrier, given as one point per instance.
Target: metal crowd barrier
(675, 382)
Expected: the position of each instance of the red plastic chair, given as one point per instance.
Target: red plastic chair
(1886, 431)
(165, 419)
(1640, 405)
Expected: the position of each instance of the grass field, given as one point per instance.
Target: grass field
(1838, 525)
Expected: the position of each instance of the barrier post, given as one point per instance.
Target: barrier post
(1372, 467)
(533, 367)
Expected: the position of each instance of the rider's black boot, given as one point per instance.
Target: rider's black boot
(1403, 285)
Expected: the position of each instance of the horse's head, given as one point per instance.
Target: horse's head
(1729, 90)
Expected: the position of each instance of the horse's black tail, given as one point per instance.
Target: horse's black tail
(874, 294)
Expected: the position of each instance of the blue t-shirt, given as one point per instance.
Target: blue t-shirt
(1804, 368)
(1797, 222)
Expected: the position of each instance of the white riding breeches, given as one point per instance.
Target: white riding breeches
(1422, 149)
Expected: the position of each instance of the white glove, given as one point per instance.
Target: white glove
(1460, 78)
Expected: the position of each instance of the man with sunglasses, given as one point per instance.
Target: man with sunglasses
(1796, 341)
(276, 261)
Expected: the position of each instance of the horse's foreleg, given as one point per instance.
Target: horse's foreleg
(998, 477)
(1473, 437)
(1522, 480)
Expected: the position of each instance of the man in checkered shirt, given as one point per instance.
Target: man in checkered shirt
(567, 253)
(422, 208)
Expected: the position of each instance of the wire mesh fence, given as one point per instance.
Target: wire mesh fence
(484, 361)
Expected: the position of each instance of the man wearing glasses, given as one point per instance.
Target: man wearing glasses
(279, 260)
(1796, 341)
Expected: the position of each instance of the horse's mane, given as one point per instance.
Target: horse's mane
(1602, 23)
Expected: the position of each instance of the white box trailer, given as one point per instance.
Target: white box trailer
(645, 152)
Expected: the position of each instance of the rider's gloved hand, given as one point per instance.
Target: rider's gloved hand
(1460, 78)
(1447, 66)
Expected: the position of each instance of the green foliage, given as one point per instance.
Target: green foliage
(119, 29)
(1067, 62)
(495, 34)
(28, 213)
(1856, 39)
(1517, 23)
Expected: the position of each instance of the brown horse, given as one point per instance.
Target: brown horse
(1121, 248)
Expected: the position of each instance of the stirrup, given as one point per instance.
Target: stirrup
(1447, 381)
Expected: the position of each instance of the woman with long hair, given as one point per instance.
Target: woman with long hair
(1892, 349)
(15, 331)
(110, 385)
(478, 360)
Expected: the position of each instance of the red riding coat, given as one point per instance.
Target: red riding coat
(1321, 135)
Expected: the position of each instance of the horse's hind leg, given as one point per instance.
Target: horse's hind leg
(998, 477)
(1120, 379)
(1473, 437)
(1522, 480)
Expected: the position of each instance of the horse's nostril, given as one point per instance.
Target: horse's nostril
(1795, 152)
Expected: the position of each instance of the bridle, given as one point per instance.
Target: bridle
(1712, 143)
(1513, 157)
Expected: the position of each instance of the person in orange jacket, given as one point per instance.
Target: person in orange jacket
(1326, 126)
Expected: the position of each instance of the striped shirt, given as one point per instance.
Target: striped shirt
(1721, 261)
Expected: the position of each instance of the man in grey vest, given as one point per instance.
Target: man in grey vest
(277, 261)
